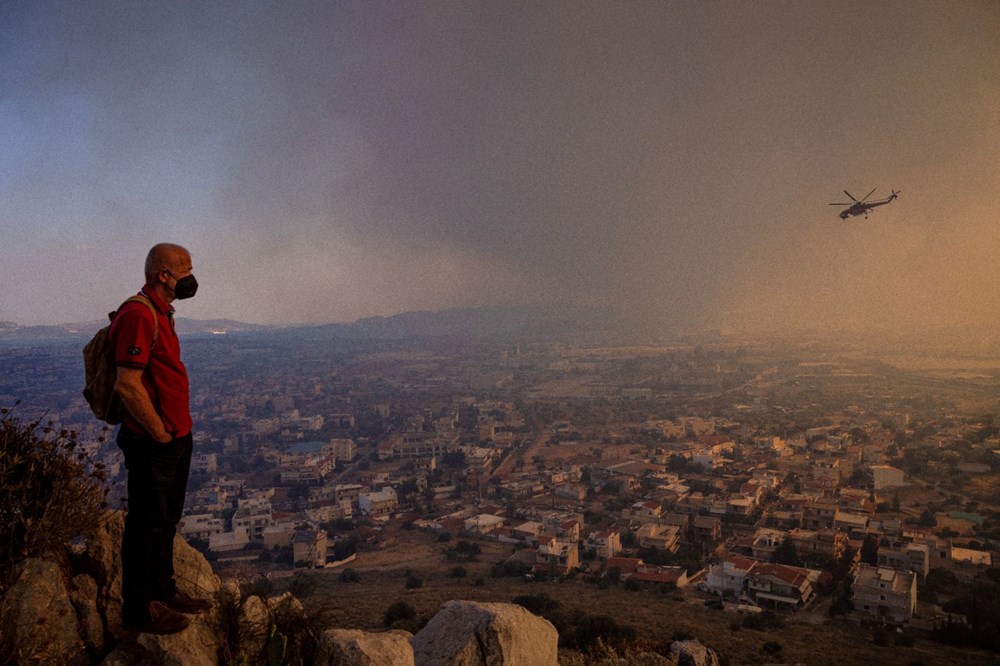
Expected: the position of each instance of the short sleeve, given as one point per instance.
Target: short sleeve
(132, 333)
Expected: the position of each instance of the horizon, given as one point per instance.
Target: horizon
(673, 160)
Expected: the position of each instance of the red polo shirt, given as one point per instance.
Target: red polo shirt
(165, 376)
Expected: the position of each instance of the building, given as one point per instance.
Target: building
(607, 543)
(780, 585)
(707, 528)
(661, 537)
(254, 514)
(343, 449)
(309, 548)
(884, 594)
(378, 505)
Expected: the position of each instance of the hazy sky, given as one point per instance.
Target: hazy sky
(328, 161)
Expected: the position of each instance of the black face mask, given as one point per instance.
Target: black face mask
(186, 287)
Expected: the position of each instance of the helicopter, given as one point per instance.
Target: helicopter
(862, 207)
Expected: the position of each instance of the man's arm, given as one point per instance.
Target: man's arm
(136, 400)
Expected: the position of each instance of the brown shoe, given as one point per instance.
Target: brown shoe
(160, 619)
(185, 603)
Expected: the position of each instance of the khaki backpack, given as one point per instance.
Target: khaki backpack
(100, 372)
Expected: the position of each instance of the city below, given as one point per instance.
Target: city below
(770, 483)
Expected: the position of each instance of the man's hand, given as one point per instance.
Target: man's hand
(165, 438)
(136, 400)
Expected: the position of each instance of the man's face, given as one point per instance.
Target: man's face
(178, 268)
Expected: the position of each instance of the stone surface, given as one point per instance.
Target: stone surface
(352, 647)
(102, 561)
(83, 594)
(467, 633)
(192, 571)
(38, 618)
(693, 653)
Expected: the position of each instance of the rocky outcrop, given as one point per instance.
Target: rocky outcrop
(37, 618)
(50, 617)
(466, 633)
(693, 653)
(350, 647)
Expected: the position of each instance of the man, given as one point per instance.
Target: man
(156, 440)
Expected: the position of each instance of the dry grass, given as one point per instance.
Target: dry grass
(658, 618)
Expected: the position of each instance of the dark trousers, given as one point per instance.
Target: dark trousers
(157, 481)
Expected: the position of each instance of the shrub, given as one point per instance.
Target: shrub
(349, 576)
(399, 610)
(457, 572)
(412, 582)
(53, 494)
(539, 604)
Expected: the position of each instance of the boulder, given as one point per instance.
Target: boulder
(38, 618)
(352, 647)
(102, 561)
(256, 617)
(83, 595)
(468, 633)
(195, 646)
(693, 653)
(192, 571)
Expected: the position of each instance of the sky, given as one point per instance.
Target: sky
(328, 161)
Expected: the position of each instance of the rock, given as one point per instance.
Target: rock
(693, 653)
(39, 619)
(195, 646)
(83, 595)
(102, 561)
(352, 647)
(256, 617)
(192, 571)
(467, 633)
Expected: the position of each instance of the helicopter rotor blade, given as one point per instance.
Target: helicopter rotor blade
(840, 204)
(851, 196)
(869, 194)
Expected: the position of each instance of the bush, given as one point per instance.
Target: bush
(539, 604)
(349, 576)
(412, 582)
(458, 572)
(399, 610)
(53, 495)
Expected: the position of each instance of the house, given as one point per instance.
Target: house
(913, 557)
(819, 515)
(827, 542)
(309, 548)
(707, 528)
(650, 573)
(661, 537)
(780, 585)
(765, 542)
(728, 576)
(607, 543)
(378, 505)
(555, 557)
(484, 523)
(884, 594)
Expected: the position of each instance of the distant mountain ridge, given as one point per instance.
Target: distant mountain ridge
(84, 330)
(478, 322)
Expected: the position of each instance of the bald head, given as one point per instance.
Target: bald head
(166, 256)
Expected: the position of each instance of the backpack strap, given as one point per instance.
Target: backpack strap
(141, 298)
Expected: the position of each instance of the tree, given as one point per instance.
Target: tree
(869, 550)
(785, 553)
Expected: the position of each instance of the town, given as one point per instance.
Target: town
(750, 477)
